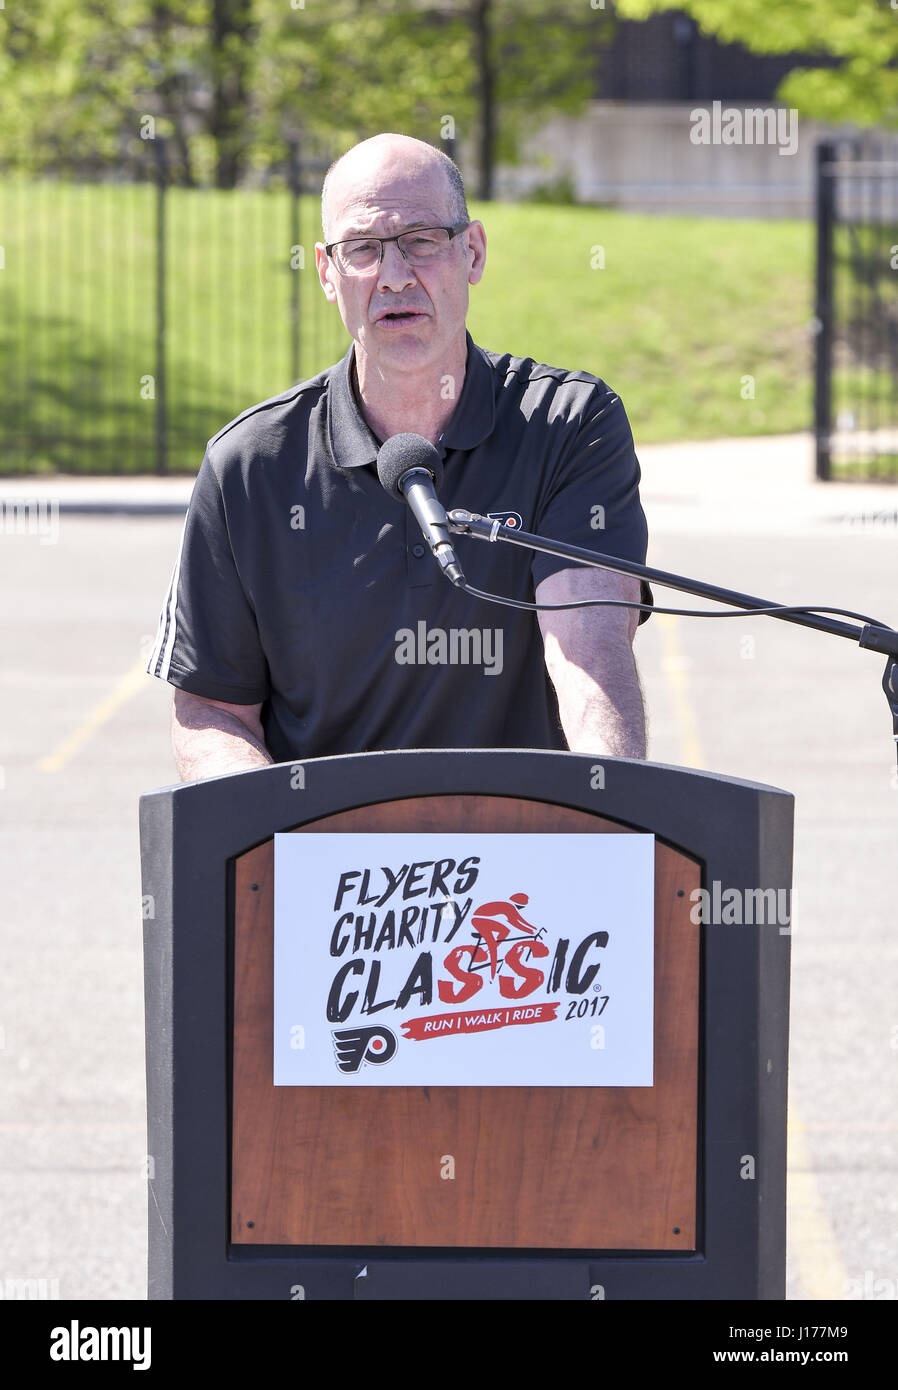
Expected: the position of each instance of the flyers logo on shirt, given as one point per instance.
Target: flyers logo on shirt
(513, 520)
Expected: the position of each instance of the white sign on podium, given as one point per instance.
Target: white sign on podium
(454, 959)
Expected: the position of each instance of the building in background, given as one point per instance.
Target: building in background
(637, 144)
(668, 59)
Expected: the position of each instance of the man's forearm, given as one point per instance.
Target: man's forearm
(600, 716)
(589, 656)
(210, 742)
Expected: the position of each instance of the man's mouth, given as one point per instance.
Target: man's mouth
(396, 317)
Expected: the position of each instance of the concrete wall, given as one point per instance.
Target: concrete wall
(644, 156)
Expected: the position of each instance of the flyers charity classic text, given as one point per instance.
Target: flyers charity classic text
(378, 915)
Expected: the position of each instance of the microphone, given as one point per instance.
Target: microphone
(411, 470)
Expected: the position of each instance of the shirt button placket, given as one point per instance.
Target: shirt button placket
(418, 559)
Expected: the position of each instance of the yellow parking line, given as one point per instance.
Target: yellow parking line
(127, 687)
(674, 667)
(821, 1272)
(810, 1238)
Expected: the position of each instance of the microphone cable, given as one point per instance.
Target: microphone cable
(673, 612)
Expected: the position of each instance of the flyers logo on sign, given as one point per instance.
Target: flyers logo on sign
(354, 1046)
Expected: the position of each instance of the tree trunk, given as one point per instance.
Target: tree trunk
(486, 94)
(231, 19)
(171, 97)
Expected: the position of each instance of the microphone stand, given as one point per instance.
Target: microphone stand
(874, 636)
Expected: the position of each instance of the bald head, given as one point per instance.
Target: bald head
(381, 167)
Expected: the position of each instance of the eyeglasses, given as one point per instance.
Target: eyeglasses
(361, 255)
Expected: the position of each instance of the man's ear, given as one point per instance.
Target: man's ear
(325, 271)
(476, 242)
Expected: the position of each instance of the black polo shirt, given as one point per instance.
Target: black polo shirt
(302, 584)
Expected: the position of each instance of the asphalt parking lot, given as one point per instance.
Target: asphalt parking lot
(85, 732)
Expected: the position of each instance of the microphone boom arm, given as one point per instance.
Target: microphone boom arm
(873, 636)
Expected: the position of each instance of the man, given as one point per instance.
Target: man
(306, 617)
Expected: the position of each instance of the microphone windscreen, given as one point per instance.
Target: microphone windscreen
(405, 451)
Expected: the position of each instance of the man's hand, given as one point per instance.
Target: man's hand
(589, 656)
(211, 738)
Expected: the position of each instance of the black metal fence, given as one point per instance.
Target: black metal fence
(138, 317)
(856, 388)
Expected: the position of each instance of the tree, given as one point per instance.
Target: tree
(532, 61)
(78, 82)
(492, 69)
(863, 34)
(233, 82)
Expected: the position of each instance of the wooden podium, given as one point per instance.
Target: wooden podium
(669, 1191)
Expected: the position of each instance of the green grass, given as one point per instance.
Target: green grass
(683, 311)
(78, 353)
(884, 469)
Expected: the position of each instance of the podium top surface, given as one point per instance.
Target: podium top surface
(699, 813)
(484, 760)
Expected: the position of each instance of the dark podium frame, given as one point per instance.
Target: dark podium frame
(741, 832)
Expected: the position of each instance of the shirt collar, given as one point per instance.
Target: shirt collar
(353, 443)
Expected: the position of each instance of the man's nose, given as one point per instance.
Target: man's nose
(395, 272)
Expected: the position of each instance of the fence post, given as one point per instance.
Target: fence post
(161, 414)
(826, 210)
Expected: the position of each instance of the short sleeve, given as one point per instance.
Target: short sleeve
(592, 497)
(207, 641)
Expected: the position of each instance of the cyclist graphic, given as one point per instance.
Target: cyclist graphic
(493, 933)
